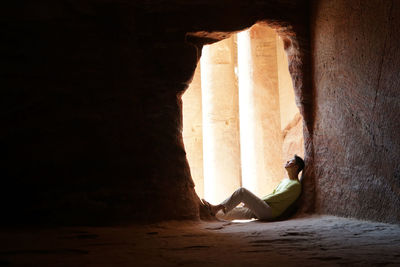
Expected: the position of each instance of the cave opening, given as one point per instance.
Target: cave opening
(240, 119)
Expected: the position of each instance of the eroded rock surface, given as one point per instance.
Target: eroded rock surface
(356, 57)
(293, 142)
(312, 241)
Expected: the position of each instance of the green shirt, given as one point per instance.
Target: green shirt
(283, 196)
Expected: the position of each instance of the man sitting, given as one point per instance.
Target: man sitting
(267, 208)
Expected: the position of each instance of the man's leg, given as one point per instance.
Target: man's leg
(238, 213)
(258, 206)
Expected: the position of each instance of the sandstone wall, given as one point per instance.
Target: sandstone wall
(356, 62)
(91, 114)
(293, 141)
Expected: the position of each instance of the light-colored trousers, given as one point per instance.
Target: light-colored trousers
(255, 207)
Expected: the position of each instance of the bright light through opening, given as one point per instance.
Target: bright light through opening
(210, 191)
(241, 112)
(246, 111)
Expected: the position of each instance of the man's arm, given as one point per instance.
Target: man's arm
(270, 194)
(290, 192)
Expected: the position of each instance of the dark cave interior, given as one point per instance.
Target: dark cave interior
(91, 108)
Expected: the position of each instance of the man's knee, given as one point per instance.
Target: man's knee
(242, 190)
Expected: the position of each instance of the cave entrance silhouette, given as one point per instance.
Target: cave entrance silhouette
(240, 119)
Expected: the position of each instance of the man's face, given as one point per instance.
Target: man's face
(291, 163)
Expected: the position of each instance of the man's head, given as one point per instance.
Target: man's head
(296, 163)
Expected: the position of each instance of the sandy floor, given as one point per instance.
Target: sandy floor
(311, 241)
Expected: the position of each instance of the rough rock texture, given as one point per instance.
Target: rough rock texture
(356, 62)
(310, 241)
(90, 104)
(293, 141)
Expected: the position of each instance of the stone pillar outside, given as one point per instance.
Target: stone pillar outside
(222, 171)
(193, 131)
(261, 136)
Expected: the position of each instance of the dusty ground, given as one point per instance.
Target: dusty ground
(311, 241)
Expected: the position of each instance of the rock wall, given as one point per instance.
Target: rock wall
(90, 104)
(356, 62)
(293, 141)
